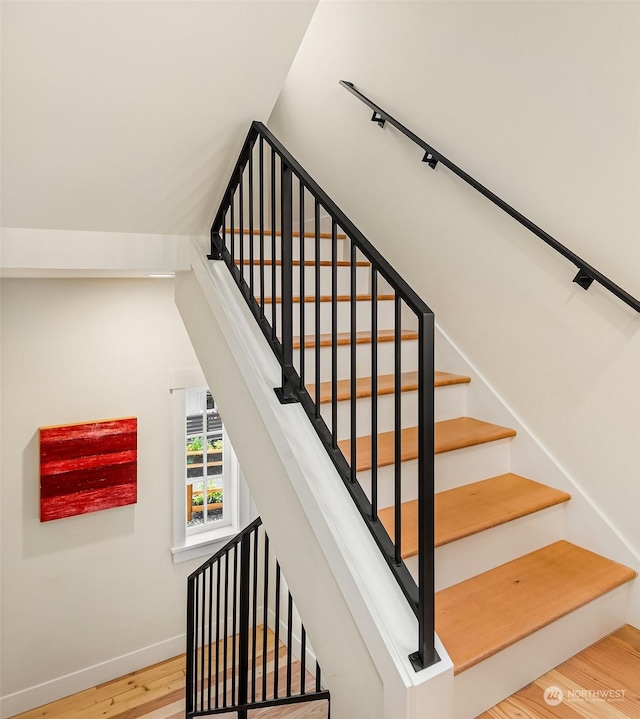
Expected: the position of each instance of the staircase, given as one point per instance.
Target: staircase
(513, 597)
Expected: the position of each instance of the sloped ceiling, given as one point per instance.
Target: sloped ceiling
(128, 116)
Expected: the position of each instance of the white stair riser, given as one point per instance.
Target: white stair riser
(363, 316)
(450, 402)
(343, 280)
(486, 550)
(386, 478)
(470, 464)
(452, 469)
(386, 361)
(386, 414)
(485, 684)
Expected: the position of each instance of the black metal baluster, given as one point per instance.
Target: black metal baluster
(234, 624)
(265, 617)
(352, 388)
(276, 654)
(317, 307)
(318, 678)
(302, 287)
(374, 393)
(254, 614)
(251, 223)
(232, 235)
(289, 640)
(202, 603)
(210, 637)
(303, 659)
(243, 629)
(241, 227)
(226, 629)
(286, 392)
(261, 166)
(218, 636)
(274, 330)
(191, 677)
(334, 334)
(426, 654)
(397, 424)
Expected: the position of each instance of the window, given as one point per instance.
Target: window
(207, 494)
(209, 464)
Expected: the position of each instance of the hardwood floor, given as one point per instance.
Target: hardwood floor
(158, 692)
(601, 682)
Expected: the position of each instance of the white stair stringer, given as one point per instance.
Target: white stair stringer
(584, 523)
(360, 624)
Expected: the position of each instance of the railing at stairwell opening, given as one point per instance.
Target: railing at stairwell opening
(586, 275)
(235, 661)
(324, 261)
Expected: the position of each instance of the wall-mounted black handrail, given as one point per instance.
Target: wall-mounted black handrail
(586, 272)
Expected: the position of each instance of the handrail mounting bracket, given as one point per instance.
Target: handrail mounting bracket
(430, 160)
(583, 278)
(377, 117)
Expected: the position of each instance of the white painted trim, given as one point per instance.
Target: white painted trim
(60, 687)
(72, 253)
(199, 544)
(203, 544)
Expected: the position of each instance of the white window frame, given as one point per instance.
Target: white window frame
(199, 542)
(229, 476)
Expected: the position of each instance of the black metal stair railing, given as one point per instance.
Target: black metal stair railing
(235, 663)
(295, 257)
(586, 275)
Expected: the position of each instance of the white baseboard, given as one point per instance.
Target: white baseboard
(60, 687)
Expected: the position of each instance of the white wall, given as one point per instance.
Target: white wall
(541, 103)
(85, 590)
(128, 116)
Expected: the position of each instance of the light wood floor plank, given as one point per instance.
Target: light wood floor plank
(158, 692)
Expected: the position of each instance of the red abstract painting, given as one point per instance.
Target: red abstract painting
(87, 467)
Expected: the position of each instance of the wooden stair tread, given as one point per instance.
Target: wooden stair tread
(472, 508)
(386, 385)
(307, 263)
(491, 611)
(268, 233)
(327, 298)
(362, 337)
(450, 434)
